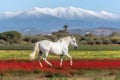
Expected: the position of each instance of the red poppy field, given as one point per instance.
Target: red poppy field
(25, 65)
(80, 67)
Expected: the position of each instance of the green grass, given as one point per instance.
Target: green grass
(24, 54)
(80, 47)
(98, 48)
(95, 54)
(14, 54)
(80, 75)
(83, 52)
(16, 47)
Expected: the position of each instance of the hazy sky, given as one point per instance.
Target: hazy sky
(96, 5)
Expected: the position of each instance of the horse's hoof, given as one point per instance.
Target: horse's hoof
(50, 65)
(60, 65)
(40, 64)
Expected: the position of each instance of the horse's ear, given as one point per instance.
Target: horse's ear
(60, 40)
(72, 36)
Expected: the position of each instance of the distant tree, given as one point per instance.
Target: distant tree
(115, 34)
(91, 35)
(114, 39)
(51, 37)
(91, 41)
(107, 41)
(83, 42)
(27, 39)
(99, 41)
(65, 28)
(3, 41)
(60, 34)
(118, 42)
(11, 36)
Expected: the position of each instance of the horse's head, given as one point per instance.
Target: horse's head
(73, 41)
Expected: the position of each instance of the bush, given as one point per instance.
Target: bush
(91, 42)
(115, 39)
(99, 41)
(118, 42)
(115, 34)
(85, 38)
(90, 35)
(11, 36)
(27, 39)
(107, 41)
(83, 42)
(60, 34)
(3, 42)
(51, 37)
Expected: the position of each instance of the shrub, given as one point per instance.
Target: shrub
(83, 42)
(99, 41)
(27, 39)
(107, 41)
(33, 40)
(115, 39)
(90, 35)
(118, 42)
(85, 38)
(51, 37)
(11, 36)
(115, 34)
(60, 34)
(91, 41)
(3, 41)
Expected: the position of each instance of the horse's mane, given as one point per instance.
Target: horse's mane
(63, 39)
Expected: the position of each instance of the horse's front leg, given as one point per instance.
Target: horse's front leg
(70, 59)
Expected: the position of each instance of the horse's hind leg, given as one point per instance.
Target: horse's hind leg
(45, 56)
(39, 55)
(61, 60)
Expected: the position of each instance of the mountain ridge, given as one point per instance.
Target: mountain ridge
(97, 31)
(63, 12)
(45, 20)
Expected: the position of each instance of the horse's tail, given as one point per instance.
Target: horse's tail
(36, 48)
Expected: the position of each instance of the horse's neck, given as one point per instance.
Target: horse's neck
(65, 41)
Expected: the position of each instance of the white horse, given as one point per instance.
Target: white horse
(59, 48)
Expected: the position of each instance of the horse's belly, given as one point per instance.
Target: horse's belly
(56, 51)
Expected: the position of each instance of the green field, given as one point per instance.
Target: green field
(24, 54)
(83, 52)
(80, 47)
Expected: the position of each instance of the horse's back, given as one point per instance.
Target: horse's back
(52, 47)
(44, 44)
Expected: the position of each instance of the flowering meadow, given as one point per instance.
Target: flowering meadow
(85, 63)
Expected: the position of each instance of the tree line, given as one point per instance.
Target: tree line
(15, 37)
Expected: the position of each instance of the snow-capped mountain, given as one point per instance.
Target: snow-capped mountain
(62, 12)
(40, 20)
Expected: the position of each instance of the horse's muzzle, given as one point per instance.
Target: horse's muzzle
(75, 47)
